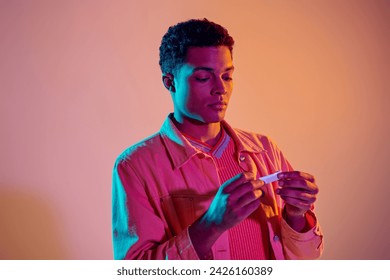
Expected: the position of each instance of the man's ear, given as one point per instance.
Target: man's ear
(168, 82)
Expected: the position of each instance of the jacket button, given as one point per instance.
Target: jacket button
(276, 238)
(242, 158)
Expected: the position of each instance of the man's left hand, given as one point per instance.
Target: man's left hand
(298, 190)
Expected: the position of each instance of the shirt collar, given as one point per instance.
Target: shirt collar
(181, 151)
(244, 141)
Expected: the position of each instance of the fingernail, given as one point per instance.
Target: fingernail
(281, 183)
(262, 182)
(281, 175)
(258, 193)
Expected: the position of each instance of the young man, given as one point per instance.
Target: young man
(192, 190)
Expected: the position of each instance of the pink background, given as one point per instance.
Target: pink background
(79, 82)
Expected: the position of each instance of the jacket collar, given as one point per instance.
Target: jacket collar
(181, 151)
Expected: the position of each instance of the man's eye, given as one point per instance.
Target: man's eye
(228, 78)
(202, 79)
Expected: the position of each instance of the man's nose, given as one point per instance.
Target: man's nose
(219, 86)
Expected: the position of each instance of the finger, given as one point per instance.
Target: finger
(295, 175)
(247, 209)
(248, 198)
(299, 184)
(298, 203)
(248, 190)
(236, 181)
(285, 194)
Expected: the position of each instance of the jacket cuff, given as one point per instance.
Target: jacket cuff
(314, 231)
(184, 246)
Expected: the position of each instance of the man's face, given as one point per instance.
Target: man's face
(203, 85)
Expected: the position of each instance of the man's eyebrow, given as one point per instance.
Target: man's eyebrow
(211, 69)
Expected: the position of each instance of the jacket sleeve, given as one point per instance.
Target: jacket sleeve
(138, 231)
(296, 245)
(307, 245)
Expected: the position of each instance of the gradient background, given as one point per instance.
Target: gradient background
(80, 81)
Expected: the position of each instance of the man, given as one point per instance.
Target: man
(192, 191)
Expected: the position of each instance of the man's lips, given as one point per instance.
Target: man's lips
(218, 105)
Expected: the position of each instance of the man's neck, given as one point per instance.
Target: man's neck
(208, 133)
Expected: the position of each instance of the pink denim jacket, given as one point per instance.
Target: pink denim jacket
(162, 185)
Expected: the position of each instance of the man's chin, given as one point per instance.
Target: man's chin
(207, 119)
(215, 119)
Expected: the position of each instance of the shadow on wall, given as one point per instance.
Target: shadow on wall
(28, 227)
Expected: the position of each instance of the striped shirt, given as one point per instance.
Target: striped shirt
(248, 240)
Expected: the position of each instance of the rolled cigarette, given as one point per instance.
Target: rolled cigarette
(270, 178)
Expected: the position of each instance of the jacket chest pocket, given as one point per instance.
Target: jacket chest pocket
(181, 210)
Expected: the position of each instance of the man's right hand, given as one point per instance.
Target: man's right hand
(235, 200)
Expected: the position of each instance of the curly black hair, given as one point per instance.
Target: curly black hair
(191, 33)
